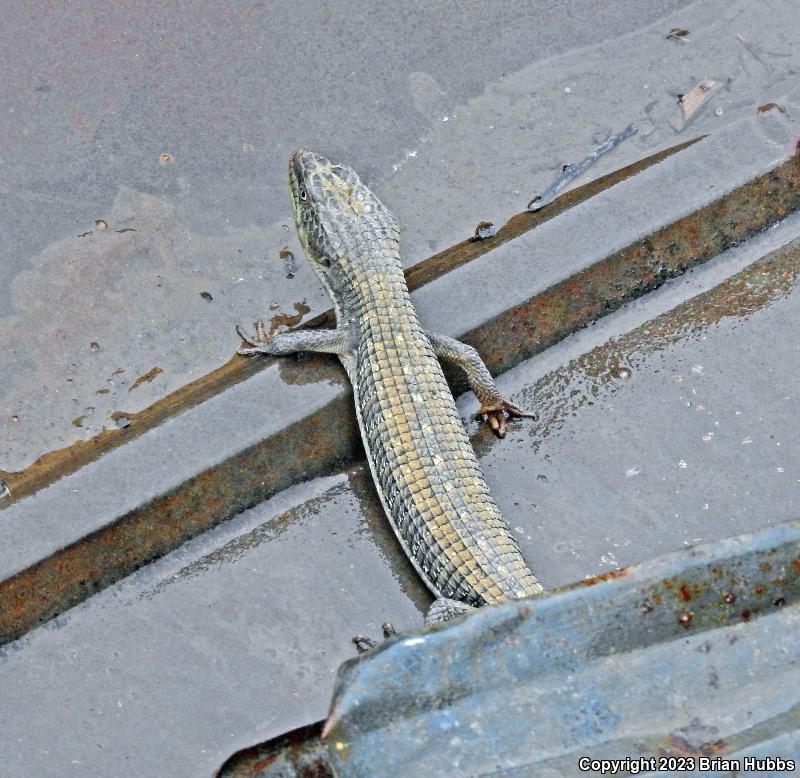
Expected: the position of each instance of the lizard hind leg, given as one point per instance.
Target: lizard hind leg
(445, 609)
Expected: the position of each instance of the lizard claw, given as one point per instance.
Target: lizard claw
(257, 344)
(499, 412)
(364, 643)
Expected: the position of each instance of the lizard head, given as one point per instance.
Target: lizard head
(341, 223)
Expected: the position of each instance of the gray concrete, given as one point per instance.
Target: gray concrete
(95, 96)
(153, 464)
(695, 442)
(235, 637)
(620, 216)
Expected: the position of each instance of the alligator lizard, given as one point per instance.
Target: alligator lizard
(425, 471)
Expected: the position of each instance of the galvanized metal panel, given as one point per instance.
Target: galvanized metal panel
(694, 654)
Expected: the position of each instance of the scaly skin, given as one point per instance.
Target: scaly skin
(425, 470)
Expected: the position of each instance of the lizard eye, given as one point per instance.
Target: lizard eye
(303, 194)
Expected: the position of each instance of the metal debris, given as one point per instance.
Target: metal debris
(297, 754)
(570, 172)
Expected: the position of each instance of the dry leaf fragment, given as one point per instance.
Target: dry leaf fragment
(692, 101)
(769, 107)
(678, 33)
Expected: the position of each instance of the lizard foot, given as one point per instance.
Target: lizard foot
(364, 643)
(260, 343)
(499, 412)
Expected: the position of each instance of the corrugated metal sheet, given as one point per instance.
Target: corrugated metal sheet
(686, 661)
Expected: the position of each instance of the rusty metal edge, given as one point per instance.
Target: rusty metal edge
(329, 438)
(299, 752)
(53, 465)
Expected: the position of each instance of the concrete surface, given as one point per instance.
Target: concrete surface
(128, 477)
(234, 637)
(577, 238)
(95, 97)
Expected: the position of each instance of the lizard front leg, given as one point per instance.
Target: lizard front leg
(493, 405)
(324, 341)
